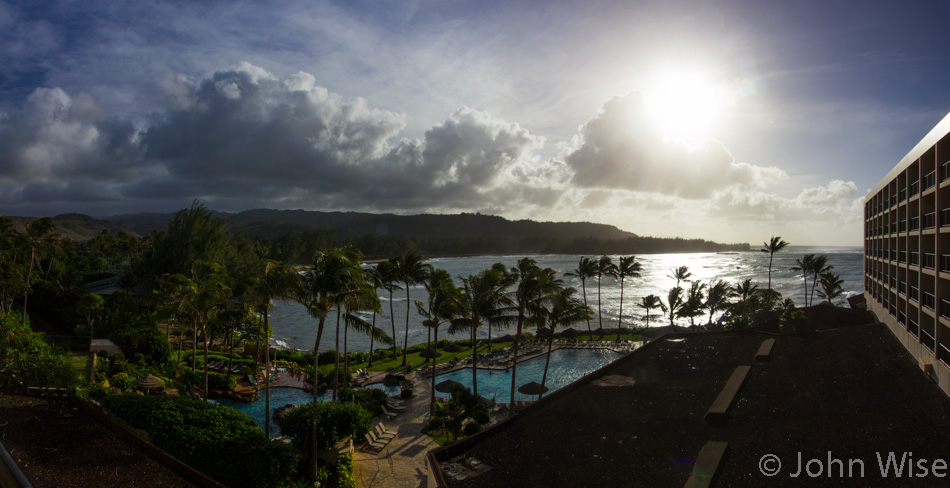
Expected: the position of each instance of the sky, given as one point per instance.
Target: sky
(725, 120)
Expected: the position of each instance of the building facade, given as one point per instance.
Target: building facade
(907, 252)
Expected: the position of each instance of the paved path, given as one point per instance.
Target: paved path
(402, 462)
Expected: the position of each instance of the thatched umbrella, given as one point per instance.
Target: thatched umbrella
(601, 331)
(448, 386)
(505, 338)
(149, 383)
(544, 331)
(569, 332)
(533, 388)
(453, 348)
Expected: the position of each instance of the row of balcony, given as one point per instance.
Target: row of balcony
(929, 222)
(912, 258)
(929, 181)
(925, 338)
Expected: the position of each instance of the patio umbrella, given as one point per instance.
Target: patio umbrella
(429, 354)
(505, 338)
(149, 383)
(570, 332)
(453, 348)
(533, 388)
(448, 386)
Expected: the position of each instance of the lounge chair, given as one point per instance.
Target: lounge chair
(388, 414)
(376, 446)
(382, 433)
(397, 408)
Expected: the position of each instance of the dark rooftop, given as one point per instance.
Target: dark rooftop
(852, 392)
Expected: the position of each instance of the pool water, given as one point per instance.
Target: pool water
(391, 390)
(279, 396)
(567, 366)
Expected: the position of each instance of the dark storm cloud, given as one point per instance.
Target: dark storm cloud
(621, 148)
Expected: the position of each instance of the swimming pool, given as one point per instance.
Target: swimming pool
(567, 366)
(279, 396)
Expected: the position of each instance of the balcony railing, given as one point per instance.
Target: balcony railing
(930, 260)
(945, 262)
(943, 354)
(930, 180)
(930, 301)
(912, 327)
(945, 217)
(914, 223)
(902, 256)
(902, 287)
(914, 293)
(930, 220)
(902, 318)
(915, 259)
(902, 194)
(944, 308)
(927, 340)
(902, 226)
(945, 171)
(893, 227)
(914, 188)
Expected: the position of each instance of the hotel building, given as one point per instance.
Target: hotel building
(907, 252)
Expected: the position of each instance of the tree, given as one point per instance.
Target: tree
(586, 268)
(387, 275)
(650, 302)
(442, 306)
(38, 236)
(693, 304)
(358, 296)
(534, 284)
(805, 265)
(317, 289)
(409, 269)
(275, 281)
(680, 274)
(745, 290)
(628, 267)
(831, 286)
(674, 302)
(209, 294)
(463, 413)
(819, 266)
(774, 245)
(717, 298)
(483, 301)
(605, 267)
(563, 309)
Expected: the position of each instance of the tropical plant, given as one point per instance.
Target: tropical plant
(483, 301)
(650, 302)
(674, 302)
(680, 274)
(774, 245)
(534, 287)
(463, 413)
(745, 290)
(410, 270)
(360, 296)
(717, 298)
(819, 266)
(442, 305)
(586, 268)
(40, 235)
(605, 267)
(628, 267)
(805, 265)
(693, 303)
(562, 309)
(389, 278)
(831, 286)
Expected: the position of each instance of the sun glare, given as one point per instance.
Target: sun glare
(684, 105)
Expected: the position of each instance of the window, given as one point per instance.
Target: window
(912, 327)
(943, 354)
(945, 171)
(915, 259)
(930, 220)
(914, 293)
(930, 260)
(914, 188)
(930, 301)
(903, 194)
(945, 308)
(945, 217)
(927, 340)
(914, 223)
(930, 180)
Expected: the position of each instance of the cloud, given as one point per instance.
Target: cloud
(621, 148)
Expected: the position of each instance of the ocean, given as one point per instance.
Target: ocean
(294, 328)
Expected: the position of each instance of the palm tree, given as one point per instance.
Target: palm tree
(718, 297)
(533, 284)
(275, 282)
(565, 310)
(831, 286)
(586, 268)
(628, 267)
(209, 296)
(605, 267)
(819, 266)
(360, 296)
(317, 289)
(805, 265)
(463, 413)
(442, 305)
(389, 278)
(775, 245)
(375, 280)
(352, 294)
(410, 270)
(693, 305)
(650, 302)
(483, 300)
(745, 290)
(674, 302)
(680, 274)
(39, 234)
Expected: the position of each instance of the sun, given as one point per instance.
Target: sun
(684, 104)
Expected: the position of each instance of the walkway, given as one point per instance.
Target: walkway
(402, 462)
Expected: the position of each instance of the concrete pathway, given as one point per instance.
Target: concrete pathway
(402, 462)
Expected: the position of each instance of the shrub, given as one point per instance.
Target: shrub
(336, 421)
(147, 341)
(220, 441)
(344, 471)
